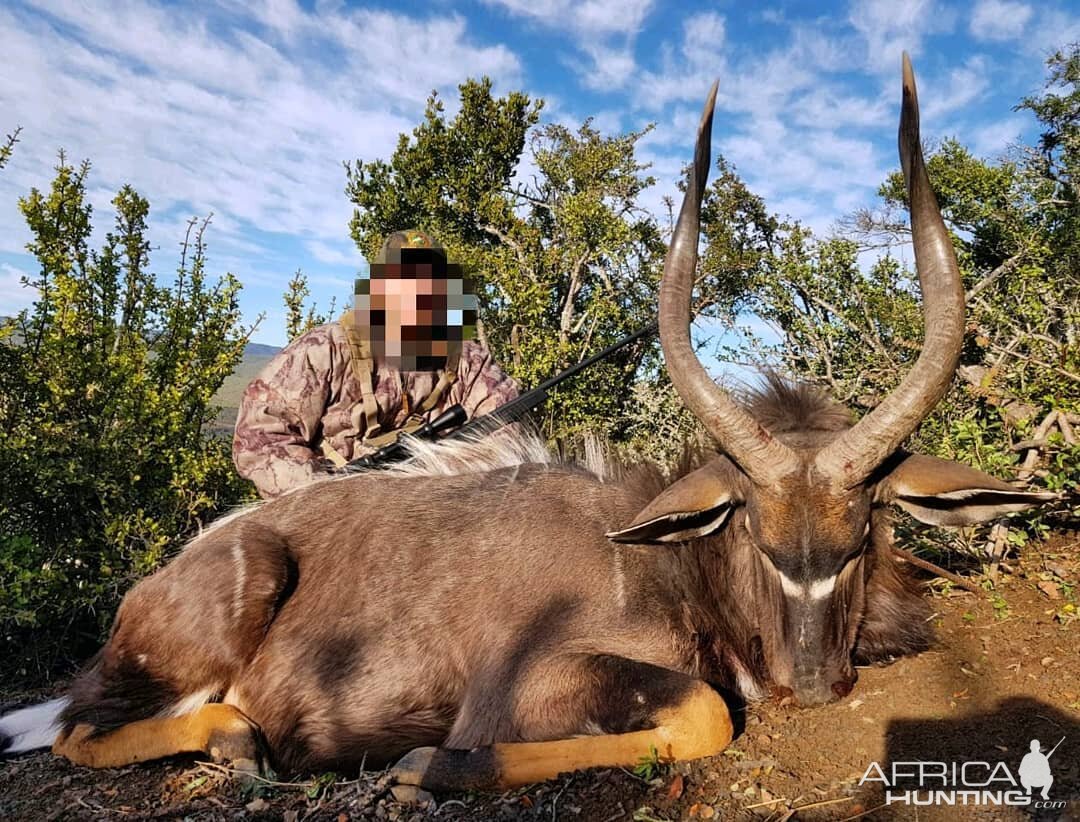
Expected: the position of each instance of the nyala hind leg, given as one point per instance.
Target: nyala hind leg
(180, 638)
(896, 621)
(183, 635)
(583, 712)
(220, 731)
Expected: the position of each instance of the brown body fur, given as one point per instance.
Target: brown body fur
(360, 638)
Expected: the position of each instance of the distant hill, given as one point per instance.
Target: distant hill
(260, 350)
(256, 356)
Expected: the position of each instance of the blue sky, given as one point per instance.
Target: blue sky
(247, 109)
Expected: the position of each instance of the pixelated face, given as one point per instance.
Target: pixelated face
(417, 311)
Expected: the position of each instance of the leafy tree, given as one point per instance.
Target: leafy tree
(564, 265)
(8, 147)
(105, 388)
(298, 319)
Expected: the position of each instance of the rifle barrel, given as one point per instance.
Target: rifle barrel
(505, 414)
(581, 366)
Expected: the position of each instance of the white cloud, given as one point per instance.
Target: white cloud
(964, 85)
(204, 116)
(246, 112)
(886, 28)
(1054, 29)
(591, 17)
(800, 138)
(335, 253)
(999, 20)
(991, 140)
(603, 31)
(703, 39)
(687, 75)
(608, 67)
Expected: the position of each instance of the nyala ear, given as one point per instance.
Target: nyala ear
(695, 506)
(940, 492)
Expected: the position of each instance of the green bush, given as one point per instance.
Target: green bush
(105, 388)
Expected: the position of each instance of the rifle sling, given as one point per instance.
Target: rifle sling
(361, 362)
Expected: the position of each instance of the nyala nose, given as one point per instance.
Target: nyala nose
(843, 687)
(815, 692)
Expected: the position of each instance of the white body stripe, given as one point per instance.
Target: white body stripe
(191, 703)
(620, 577)
(240, 582)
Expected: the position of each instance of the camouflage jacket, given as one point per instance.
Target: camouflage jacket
(309, 392)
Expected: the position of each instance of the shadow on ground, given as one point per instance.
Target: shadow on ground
(987, 748)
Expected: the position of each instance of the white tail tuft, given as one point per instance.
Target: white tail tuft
(28, 729)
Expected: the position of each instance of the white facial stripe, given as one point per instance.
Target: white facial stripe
(791, 588)
(818, 589)
(821, 588)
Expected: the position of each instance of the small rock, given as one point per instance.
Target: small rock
(1050, 589)
(1057, 569)
(411, 795)
(676, 789)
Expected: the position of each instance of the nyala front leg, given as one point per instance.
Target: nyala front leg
(574, 713)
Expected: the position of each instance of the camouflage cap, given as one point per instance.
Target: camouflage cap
(410, 238)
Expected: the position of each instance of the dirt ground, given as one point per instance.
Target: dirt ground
(1006, 670)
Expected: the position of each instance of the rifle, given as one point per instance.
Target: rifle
(482, 426)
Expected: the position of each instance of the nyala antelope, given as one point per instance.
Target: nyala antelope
(583, 620)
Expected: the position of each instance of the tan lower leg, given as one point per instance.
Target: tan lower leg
(700, 726)
(216, 729)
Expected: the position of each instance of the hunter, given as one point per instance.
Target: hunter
(401, 356)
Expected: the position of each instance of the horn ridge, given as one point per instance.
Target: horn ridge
(764, 459)
(854, 455)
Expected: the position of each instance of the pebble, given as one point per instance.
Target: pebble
(411, 795)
